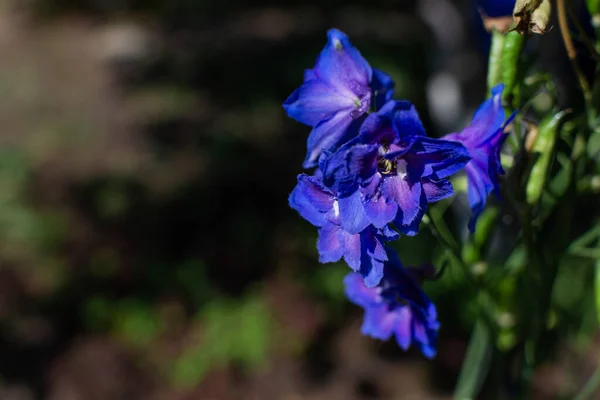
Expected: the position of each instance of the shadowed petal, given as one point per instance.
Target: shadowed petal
(349, 166)
(436, 191)
(328, 135)
(383, 88)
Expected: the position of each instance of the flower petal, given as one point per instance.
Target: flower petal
(436, 191)
(408, 197)
(352, 164)
(379, 211)
(435, 158)
(330, 248)
(358, 293)
(378, 322)
(352, 213)
(371, 269)
(327, 136)
(352, 249)
(478, 188)
(403, 329)
(310, 201)
(383, 88)
(341, 65)
(316, 101)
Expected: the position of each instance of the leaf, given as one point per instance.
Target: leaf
(476, 363)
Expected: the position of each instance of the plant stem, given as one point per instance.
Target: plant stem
(572, 54)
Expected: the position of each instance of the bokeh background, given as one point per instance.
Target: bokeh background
(147, 250)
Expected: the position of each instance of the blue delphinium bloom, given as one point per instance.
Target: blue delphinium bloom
(484, 138)
(391, 171)
(397, 306)
(342, 233)
(335, 94)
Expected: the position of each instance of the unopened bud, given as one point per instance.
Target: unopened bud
(531, 16)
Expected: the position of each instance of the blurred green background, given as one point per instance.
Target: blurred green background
(147, 250)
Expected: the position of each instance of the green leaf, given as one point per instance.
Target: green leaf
(476, 363)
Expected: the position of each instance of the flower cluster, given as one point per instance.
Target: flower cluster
(374, 173)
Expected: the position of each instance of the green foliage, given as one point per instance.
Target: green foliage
(238, 331)
(135, 322)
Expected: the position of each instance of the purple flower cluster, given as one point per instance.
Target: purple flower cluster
(374, 174)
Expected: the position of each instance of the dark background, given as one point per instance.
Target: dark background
(147, 250)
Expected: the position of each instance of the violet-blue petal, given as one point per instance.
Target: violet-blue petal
(327, 135)
(372, 270)
(488, 118)
(358, 293)
(403, 329)
(352, 249)
(352, 213)
(479, 186)
(378, 323)
(329, 245)
(316, 101)
(437, 158)
(380, 212)
(307, 199)
(437, 190)
(341, 65)
(313, 189)
(406, 194)
(348, 167)
(383, 88)
(394, 122)
(406, 119)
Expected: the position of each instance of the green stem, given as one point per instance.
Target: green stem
(476, 363)
(572, 53)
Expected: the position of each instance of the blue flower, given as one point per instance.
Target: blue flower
(392, 171)
(397, 306)
(342, 233)
(335, 94)
(484, 139)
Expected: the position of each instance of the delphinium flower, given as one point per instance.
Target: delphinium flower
(336, 94)
(397, 306)
(392, 171)
(342, 233)
(376, 173)
(484, 138)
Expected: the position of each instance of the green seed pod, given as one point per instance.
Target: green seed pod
(513, 46)
(494, 76)
(544, 146)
